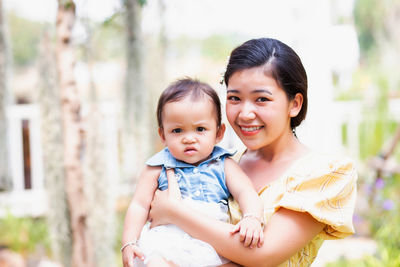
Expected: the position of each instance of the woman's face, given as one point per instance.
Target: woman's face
(257, 108)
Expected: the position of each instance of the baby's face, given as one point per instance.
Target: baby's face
(190, 129)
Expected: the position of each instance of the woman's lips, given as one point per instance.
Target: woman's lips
(250, 130)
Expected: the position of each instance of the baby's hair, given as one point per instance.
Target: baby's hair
(188, 87)
(280, 62)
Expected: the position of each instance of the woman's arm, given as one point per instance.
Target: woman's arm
(286, 232)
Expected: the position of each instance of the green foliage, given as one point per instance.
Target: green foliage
(374, 130)
(107, 41)
(368, 18)
(115, 21)
(361, 80)
(384, 220)
(217, 47)
(374, 84)
(24, 235)
(377, 27)
(142, 2)
(120, 227)
(25, 36)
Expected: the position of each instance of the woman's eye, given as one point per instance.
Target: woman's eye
(233, 98)
(201, 129)
(177, 130)
(262, 99)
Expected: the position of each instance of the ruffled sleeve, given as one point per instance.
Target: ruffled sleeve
(328, 194)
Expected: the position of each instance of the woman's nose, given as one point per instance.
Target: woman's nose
(247, 112)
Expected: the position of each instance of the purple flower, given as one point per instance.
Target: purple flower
(368, 189)
(357, 219)
(388, 204)
(379, 183)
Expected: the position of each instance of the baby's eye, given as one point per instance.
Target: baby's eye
(201, 129)
(233, 98)
(177, 130)
(262, 99)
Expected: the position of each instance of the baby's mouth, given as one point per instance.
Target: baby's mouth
(190, 150)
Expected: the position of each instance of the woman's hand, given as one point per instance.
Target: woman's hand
(165, 201)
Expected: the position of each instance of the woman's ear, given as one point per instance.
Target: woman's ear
(220, 133)
(161, 134)
(295, 105)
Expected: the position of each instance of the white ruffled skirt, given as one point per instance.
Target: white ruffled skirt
(173, 244)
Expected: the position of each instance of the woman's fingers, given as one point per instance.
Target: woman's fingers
(242, 234)
(173, 187)
(261, 241)
(248, 240)
(235, 228)
(254, 240)
(159, 208)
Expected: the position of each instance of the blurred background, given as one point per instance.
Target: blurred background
(79, 82)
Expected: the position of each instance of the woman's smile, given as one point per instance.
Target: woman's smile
(250, 130)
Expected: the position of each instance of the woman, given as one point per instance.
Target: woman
(308, 196)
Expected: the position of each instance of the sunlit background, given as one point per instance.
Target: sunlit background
(351, 52)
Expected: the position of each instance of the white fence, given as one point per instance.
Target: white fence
(28, 195)
(32, 201)
(21, 200)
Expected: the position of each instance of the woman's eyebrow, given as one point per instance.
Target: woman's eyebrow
(253, 92)
(262, 91)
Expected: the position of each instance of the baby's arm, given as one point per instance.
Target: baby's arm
(242, 190)
(137, 213)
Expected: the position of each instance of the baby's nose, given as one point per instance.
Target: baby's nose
(189, 138)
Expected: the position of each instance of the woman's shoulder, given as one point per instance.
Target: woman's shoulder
(324, 185)
(315, 164)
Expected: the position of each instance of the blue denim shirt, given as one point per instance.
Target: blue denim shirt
(205, 182)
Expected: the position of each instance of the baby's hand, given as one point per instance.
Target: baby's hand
(129, 253)
(251, 232)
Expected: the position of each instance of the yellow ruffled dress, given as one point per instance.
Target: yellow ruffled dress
(322, 185)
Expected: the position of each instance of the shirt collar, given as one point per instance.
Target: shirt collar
(165, 158)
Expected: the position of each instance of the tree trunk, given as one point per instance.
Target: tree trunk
(5, 176)
(99, 184)
(52, 146)
(82, 255)
(135, 97)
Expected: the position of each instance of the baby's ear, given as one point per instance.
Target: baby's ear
(161, 134)
(220, 133)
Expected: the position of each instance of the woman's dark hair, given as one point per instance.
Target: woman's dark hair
(281, 63)
(188, 87)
